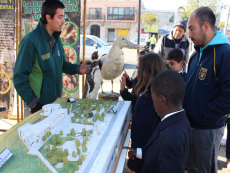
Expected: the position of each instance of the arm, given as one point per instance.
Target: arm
(171, 155)
(220, 105)
(23, 67)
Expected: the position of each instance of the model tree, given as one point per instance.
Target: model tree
(59, 158)
(77, 143)
(79, 112)
(61, 132)
(66, 153)
(54, 140)
(101, 118)
(44, 138)
(97, 115)
(68, 107)
(72, 132)
(78, 151)
(59, 140)
(84, 148)
(98, 108)
(87, 114)
(82, 157)
(70, 171)
(54, 148)
(76, 167)
(94, 119)
(79, 161)
(48, 148)
(83, 133)
(74, 154)
(65, 160)
(85, 121)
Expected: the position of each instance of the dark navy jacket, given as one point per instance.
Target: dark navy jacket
(167, 149)
(184, 75)
(207, 97)
(144, 122)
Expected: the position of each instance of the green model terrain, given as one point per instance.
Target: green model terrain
(22, 162)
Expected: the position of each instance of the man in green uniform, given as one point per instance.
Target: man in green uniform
(41, 60)
(153, 42)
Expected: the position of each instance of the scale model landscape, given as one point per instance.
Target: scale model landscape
(67, 138)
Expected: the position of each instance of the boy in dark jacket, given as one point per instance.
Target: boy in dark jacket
(168, 147)
(175, 60)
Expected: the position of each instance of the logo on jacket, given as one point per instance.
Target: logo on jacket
(58, 53)
(46, 56)
(203, 73)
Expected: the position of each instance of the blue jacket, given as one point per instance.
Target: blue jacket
(207, 97)
(144, 122)
(168, 147)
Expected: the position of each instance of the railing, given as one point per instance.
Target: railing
(120, 17)
(95, 17)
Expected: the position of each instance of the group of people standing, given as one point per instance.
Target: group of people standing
(178, 124)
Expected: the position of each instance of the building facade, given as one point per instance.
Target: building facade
(108, 19)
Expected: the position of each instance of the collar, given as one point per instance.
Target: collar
(182, 71)
(168, 115)
(46, 36)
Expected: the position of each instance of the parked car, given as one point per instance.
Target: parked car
(142, 42)
(93, 43)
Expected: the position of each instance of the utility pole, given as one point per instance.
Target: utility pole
(139, 23)
(226, 22)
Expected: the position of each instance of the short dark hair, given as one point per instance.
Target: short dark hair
(171, 85)
(141, 53)
(50, 7)
(205, 14)
(176, 55)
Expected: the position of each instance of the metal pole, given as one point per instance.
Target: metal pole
(17, 35)
(139, 16)
(21, 36)
(226, 22)
(84, 31)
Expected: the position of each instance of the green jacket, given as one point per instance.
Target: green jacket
(153, 40)
(38, 70)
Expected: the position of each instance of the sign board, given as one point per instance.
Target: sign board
(153, 28)
(118, 25)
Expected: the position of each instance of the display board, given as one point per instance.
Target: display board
(28, 141)
(7, 57)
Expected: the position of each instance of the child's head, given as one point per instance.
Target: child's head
(149, 66)
(139, 55)
(175, 59)
(168, 91)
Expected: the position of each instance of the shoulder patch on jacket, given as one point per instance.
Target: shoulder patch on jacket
(46, 56)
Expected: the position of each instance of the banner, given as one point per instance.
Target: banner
(70, 36)
(7, 57)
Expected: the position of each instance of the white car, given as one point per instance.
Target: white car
(142, 42)
(93, 43)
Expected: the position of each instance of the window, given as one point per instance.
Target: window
(111, 35)
(95, 13)
(89, 42)
(120, 13)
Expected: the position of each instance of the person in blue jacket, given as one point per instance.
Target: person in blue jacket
(145, 119)
(167, 149)
(207, 97)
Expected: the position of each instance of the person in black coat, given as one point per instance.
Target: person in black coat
(144, 119)
(168, 147)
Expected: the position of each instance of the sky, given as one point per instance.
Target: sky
(174, 4)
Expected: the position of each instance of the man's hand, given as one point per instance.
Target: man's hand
(132, 152)
(84, 68)
(122, 83)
